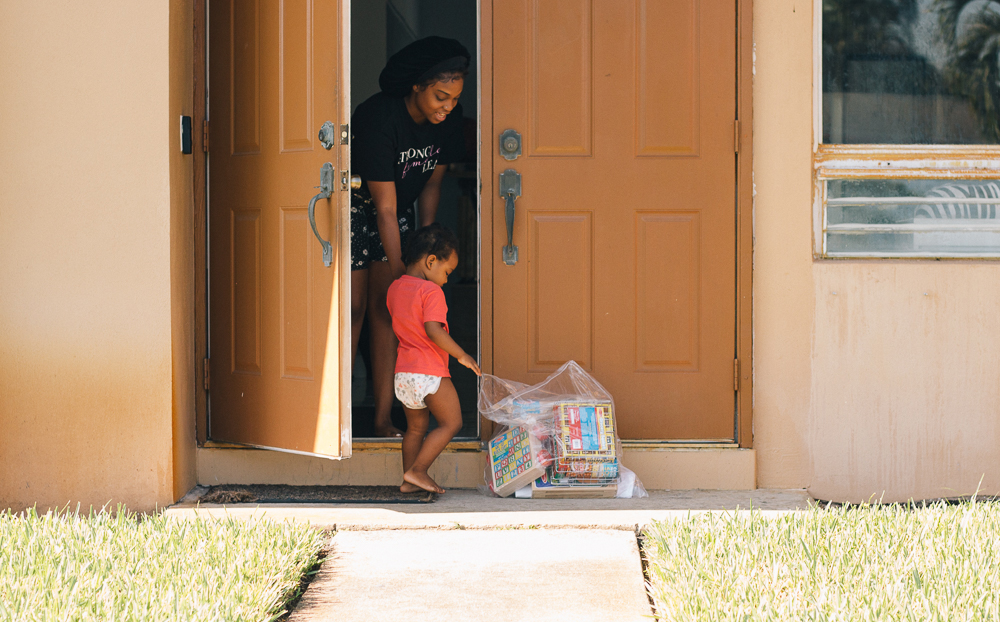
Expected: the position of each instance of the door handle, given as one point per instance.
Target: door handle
(510, 189)
(325, 192)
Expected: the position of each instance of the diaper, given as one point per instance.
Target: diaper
(411, 389)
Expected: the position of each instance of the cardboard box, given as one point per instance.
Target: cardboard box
(545, 488)
(514, 460)
(585, 442)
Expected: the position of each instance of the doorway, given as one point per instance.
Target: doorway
(522, 319)
(379, 29)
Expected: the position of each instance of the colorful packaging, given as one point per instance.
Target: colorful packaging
(550, 487)
(515, 460)
(585, 445)
(556, 438)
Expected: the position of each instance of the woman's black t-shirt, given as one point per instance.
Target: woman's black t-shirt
(388, 145)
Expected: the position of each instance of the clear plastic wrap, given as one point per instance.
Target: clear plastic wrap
(558, 436)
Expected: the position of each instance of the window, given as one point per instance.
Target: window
(909, 164)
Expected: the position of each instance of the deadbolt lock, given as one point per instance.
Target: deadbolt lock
(326, 134)
(510, 144)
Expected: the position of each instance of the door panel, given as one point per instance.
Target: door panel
(667, 77)
(276, 330)
(560, 278)
(559, 49)
(626, 225)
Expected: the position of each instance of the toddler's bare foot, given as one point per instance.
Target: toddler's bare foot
(387, 430)
(408, 487)
(423, 480)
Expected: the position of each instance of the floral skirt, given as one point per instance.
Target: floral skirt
(366, 245)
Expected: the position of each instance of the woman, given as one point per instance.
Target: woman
(402, 140)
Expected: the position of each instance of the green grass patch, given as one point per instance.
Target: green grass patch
(940, 562)
(122, 566)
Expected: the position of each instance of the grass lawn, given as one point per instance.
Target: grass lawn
(940, 562)
(121, 566)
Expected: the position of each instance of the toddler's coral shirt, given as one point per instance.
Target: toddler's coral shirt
(412, 302)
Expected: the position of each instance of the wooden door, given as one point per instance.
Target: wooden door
(626, 226)
(277, 337)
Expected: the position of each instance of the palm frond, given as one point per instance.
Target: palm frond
(975, 70)
(949, 12)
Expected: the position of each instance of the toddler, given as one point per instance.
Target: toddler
(420, 321)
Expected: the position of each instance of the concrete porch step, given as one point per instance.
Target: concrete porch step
(469, 509)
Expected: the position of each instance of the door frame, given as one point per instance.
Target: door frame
(743, 137)
(743, 377)
(486, 154)
(200, 206)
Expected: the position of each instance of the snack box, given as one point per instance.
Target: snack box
(546, 488)
(585, 441)
(515, 460)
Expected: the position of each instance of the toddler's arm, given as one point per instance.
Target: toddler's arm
(437, 333)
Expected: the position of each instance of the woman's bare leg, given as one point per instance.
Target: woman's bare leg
(417, 422)
(359, 303)
(448, 414)
(383, 347)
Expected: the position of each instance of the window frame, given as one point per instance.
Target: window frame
(883, 161)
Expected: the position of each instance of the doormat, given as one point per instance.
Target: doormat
(267, 493)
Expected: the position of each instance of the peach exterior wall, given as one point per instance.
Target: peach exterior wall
(871, 378)
(877, 390)
(94, 257)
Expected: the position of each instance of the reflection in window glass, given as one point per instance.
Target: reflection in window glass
(911, 71)
(912, 217)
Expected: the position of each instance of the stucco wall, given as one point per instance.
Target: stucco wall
(871, 378)
(87, 204)
(874, 378)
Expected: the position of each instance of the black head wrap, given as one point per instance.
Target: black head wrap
(422, 60)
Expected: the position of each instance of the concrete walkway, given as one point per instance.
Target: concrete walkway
(496, 576)
(468, 556)
(469, 509)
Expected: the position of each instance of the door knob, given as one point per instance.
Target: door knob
(325, 192)
(510, 189)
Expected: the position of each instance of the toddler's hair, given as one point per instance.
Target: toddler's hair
(434, 239)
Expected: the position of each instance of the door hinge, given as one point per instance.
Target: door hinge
(736, 375)
(736, 136)
(206, 376)
(204, 138)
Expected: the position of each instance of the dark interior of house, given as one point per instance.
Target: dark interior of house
(379, 30)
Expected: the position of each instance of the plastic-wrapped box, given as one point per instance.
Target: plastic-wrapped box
(515, 460)
(572, 418)
(585, 446)
(551, 487)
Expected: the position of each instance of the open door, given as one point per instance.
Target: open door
(624, 205)
(277, 331)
